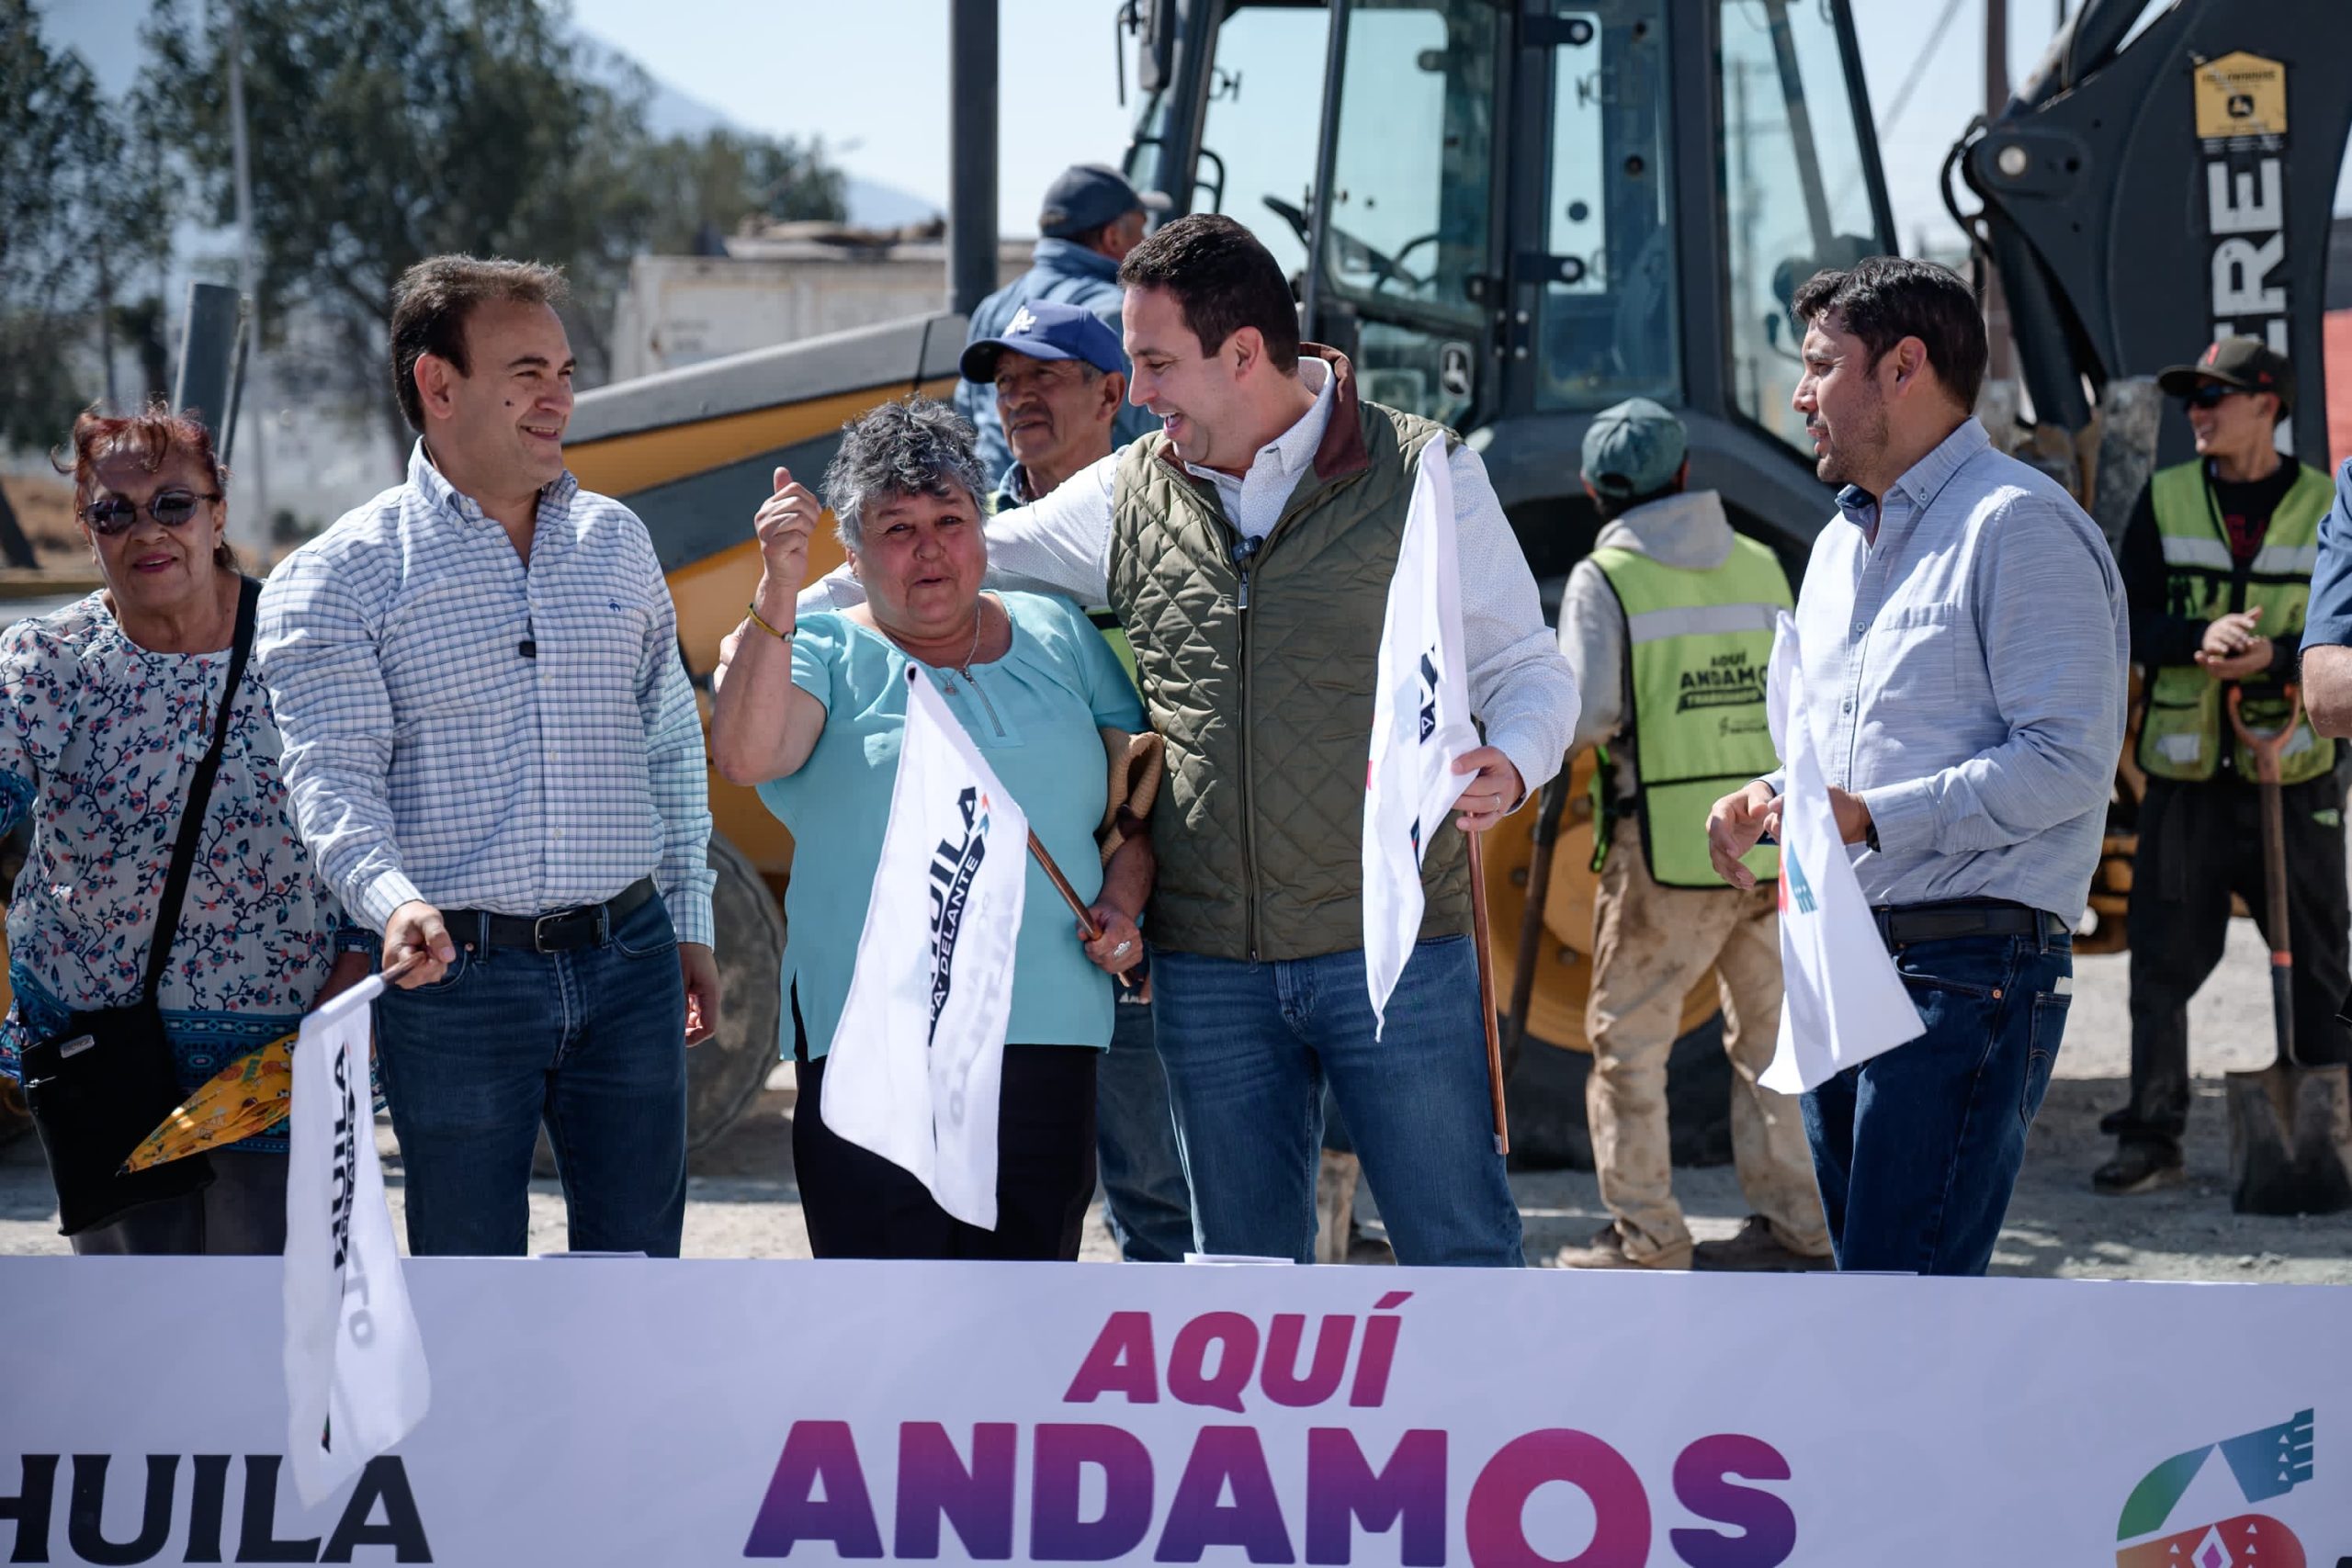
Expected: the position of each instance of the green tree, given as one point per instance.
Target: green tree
(383, 132)
(78, 196)
(712, 183)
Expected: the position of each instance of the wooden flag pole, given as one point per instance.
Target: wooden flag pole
(1086, 926)
(1484, 942)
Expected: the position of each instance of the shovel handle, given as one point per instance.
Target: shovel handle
(2268, 746)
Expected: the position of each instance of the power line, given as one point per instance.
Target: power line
(1918, 71)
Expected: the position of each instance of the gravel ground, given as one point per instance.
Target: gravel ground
(741, 1201)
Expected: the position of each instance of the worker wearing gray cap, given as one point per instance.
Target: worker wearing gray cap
(1089, 221)
(1668, 626)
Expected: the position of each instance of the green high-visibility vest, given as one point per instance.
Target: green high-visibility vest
(2186, 720)
(1700, 643)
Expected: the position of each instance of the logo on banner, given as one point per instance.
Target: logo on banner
(2260, 1466)
(1795, 888)
(1096, 1490)
(952, 867)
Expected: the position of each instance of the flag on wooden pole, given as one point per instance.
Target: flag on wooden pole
(355, 1379)
(1420, 723)
(1841, 1002)
(918, 1058)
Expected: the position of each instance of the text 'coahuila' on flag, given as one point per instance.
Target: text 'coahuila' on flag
(918, 1058)
(356, 1380)
(1841, 1002)
(1420, 723)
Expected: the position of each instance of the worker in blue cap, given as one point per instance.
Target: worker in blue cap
(1668, 626)
(1089, 221)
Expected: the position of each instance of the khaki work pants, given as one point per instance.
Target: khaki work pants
(1651, 944)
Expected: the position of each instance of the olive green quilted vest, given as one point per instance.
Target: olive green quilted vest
(1262, 684)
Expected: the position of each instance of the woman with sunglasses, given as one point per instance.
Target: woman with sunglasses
(106, 708)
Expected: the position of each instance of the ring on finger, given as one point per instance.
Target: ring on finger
(1120, 951)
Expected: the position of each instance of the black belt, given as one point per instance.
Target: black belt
(591, 925)
(1902, 924)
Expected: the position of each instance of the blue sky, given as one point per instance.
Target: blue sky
(871, 77)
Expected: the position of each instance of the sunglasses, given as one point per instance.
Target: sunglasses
(2208, 396)
(114, 514)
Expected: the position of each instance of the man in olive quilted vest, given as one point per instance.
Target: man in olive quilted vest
(1247, 547)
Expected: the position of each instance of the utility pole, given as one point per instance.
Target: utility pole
(2003, 364)
(256, 533)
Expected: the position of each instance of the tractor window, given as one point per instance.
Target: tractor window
(1610, 326)
(1265, 99)
(1414, 170)
(1796, 189)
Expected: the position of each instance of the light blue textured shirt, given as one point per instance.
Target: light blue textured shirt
(1034, 716)
(426, 757)
(1965, 665)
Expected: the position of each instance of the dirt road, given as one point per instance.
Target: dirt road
(741, 1201)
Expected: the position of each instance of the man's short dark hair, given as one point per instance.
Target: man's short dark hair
(1883, 300)
(1223, 280)
(431, 300)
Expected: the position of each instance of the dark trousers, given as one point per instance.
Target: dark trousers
(1146, 1202)
(2199, 843)
(590, 1043)
(243, 1212)
(857, 1204)
(1918, 1151)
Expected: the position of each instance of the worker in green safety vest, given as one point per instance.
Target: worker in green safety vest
(2217, 562)
(1668, 626)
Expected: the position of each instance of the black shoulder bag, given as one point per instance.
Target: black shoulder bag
(97, 1090)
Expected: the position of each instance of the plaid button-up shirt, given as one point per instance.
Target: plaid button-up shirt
(429, 756)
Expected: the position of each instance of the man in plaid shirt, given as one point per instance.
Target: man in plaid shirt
(494, 757)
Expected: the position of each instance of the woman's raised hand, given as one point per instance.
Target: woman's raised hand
(784, 523)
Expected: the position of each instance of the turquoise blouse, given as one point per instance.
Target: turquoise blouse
(1033, 713)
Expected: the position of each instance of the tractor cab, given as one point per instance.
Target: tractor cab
(1534, 211)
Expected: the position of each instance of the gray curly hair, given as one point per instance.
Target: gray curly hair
(917, 446)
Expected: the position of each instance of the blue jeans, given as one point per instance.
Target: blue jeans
(1918, 1151)
(1249, 1049)
(1148, 1204)
(591, 1041)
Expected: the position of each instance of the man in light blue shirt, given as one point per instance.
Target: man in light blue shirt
(1966, 643)
(494, 757)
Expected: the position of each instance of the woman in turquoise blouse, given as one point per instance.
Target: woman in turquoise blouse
(811, 712)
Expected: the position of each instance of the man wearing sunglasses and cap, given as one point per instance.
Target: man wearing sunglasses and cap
(2217, 564)
(1089, 221)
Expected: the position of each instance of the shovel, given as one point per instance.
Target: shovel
(2290, 1126)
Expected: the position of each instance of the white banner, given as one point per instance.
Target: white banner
(915, 1064)
(634, 1413)
(1841, 1002)
(356, 1380)
(1420, 723)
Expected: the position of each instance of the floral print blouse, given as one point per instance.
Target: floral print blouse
(99, 739)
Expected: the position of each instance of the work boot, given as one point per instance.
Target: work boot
(1755, 1250)
(1607, 1250)
(2139, 1166)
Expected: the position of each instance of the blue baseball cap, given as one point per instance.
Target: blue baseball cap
(1633, 448)
(1044, 328)
(1087, 196)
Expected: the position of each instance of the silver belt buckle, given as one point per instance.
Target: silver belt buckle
(538, 928)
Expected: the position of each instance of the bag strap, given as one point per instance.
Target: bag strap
(199, 797)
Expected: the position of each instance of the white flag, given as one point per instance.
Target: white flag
(355, 1381)
(1420, 723)
(918, 1057)
(1841, 1002)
